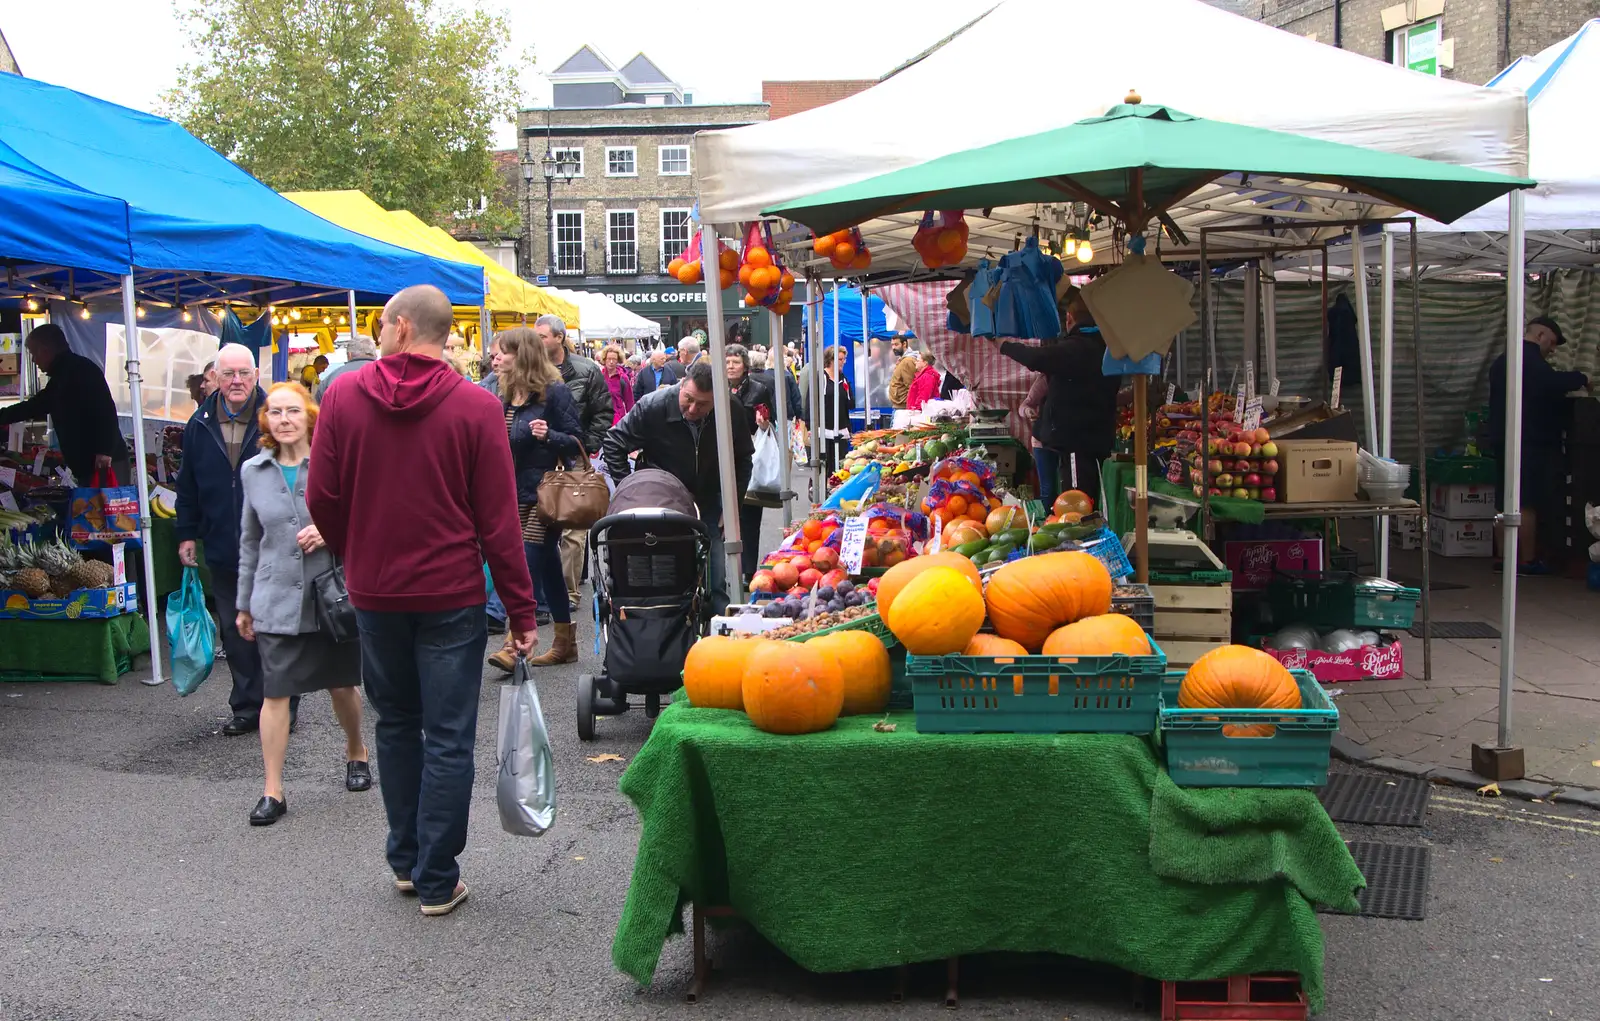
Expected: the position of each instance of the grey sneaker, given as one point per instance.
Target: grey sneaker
(448, 906)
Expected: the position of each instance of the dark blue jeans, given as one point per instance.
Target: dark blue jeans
(1048, 464)
(544, 564)
(422, 672)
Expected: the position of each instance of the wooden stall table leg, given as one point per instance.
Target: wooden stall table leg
(698, 985)
(951, 968)
(898, 992)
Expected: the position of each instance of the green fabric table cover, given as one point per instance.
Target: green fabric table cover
(164, 550)
(856, 849)
(1117, 476)
(87, 649)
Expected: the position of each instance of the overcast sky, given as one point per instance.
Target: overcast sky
(128, 51)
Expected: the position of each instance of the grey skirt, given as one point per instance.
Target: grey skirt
(301, 664)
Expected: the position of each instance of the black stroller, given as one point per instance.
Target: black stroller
(650, 553)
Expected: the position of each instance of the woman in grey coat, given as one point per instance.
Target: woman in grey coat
(280, 553)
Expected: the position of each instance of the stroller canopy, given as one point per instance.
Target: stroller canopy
(652, 489)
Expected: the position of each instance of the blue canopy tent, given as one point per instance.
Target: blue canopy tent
(98, 202)
(841, 308)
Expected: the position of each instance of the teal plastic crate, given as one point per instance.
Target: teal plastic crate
(1296, 754)
(1037, 694)
(1340, 599)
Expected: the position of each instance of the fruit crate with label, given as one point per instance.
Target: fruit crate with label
(1193, 595)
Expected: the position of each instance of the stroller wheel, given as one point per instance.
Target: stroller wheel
(586, 707)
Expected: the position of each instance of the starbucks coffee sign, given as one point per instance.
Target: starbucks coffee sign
(666, 299)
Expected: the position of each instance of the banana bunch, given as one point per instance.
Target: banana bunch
(160, 508)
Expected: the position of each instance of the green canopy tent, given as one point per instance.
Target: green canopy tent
(1138, 164)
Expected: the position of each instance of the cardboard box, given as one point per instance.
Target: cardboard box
(1316, 471)
(1405, 533)
(1461, 538)
(10, 364)
(1252, 563)
(106, 602)
(1372, 663)
(1462, 501)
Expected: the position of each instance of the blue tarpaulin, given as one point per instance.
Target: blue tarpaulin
(191, 210)
(849, 316)
(46, 220)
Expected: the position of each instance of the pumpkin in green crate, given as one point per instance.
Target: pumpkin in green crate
(1239, 677)
(1029, 598)
(1107, 634)
(992, 645)
(864, 667)
(937, 613)
(713, 671)
(791, 687)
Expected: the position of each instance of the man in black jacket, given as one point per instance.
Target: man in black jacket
(1543, 469)
(587, 381)
(223, 433)
(673, 430)
(655, 373)
(78, 403)
(1079, 419)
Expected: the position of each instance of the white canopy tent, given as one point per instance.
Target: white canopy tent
(604, 319)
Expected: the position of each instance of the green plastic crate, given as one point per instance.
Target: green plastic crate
(1340, 599)
(1199, 754)
(1037, 694)
(1191, 577)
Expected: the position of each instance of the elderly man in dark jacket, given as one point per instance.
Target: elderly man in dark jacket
(587, 381)
(673, 430)
(220, 437)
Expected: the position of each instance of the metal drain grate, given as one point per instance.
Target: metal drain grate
(1374, 800)
(1458, 629)
(1397, 879)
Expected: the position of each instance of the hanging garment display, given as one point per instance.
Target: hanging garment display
(1027, 305)
(985, 278)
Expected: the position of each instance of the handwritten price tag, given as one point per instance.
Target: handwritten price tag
(8, 502)
(1250, 377)
(8, 477)
(853, 544)
(1338, 382)
(1252, 413)
(1172, 388)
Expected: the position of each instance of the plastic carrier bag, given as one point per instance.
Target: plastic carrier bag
(525, 790)
(191, 632)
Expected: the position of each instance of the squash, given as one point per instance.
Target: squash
(992, 645)
(1031, 597)
(900, 575)
(937, 613)
(1105, 635)
(713, 672)
(864, 667)
(1239, 677)
(791, 688)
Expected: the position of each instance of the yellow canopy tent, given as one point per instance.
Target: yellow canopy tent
(505, 292)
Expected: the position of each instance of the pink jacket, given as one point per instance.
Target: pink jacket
(621, 386)
(924, 388)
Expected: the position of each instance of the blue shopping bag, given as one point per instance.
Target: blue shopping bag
(191, 633)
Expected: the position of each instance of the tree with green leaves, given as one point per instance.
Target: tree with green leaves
(396, 98)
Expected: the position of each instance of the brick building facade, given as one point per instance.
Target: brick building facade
(618, 222)
(1465, 40)
(787, 98)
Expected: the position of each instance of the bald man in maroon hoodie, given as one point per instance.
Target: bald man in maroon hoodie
(411, 486)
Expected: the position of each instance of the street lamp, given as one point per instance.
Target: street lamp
(553, 168)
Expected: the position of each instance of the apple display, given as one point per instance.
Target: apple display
(1269, 467)
(1262, 436)
(1241, 493)
(1269, 494)
(1269, 449)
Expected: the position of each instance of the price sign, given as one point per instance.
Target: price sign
(1338, 381)
(38, 461)
(1238, 402)
(1252, 413)
(1250, 378)
(1273, 390)
(8, 502)
(161, 469)
(8, 477)
(853, 544)
(1171, 389)
(165, 495)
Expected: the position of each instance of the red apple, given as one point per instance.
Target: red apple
(763, 582)
(825, 559)
(1224, 480)
(809, 578)
(1242, 449)
(1269, 494)
(1217, 492)
(1252, 479)
(1242, 466)
(1215, 465)
(801, 563)
(1262, 436)
(1269, 467)
(1255, 450)
(835, 576)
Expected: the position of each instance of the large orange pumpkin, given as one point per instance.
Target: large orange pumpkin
(864, 666)
(1239, 677)
(791, 688)
(992, 645)
(1104, 635)
(713, 672)
(900, 575)
(1031, 597)
(937, 613)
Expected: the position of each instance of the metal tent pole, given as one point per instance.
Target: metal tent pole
(1208, 357)
(866, 362)
(1511, 519)
(721, 405)
(1269, 333)
(350, 310)
(838, 389)
(780, 388)
(1386, 382)
(1252, 317)
(1422, 460)
(130, 335)
(813, 365)
(1364, 334)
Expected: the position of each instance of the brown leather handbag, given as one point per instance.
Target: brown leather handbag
(573, 498)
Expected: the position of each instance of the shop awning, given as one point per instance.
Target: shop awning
(192, 211)
(1139, 158)
(604, 318)
(536, 300)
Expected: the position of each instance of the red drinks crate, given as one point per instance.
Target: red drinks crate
(1269, 997)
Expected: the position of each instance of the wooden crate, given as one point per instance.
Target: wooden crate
(1191, 620)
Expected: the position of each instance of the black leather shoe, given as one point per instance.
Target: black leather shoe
(541, 616)
(240, 725)
(268, 811)
(357, 776)
(294, 720)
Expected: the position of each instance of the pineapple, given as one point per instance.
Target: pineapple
(29, 578)
(58, 559)
(61, 587)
